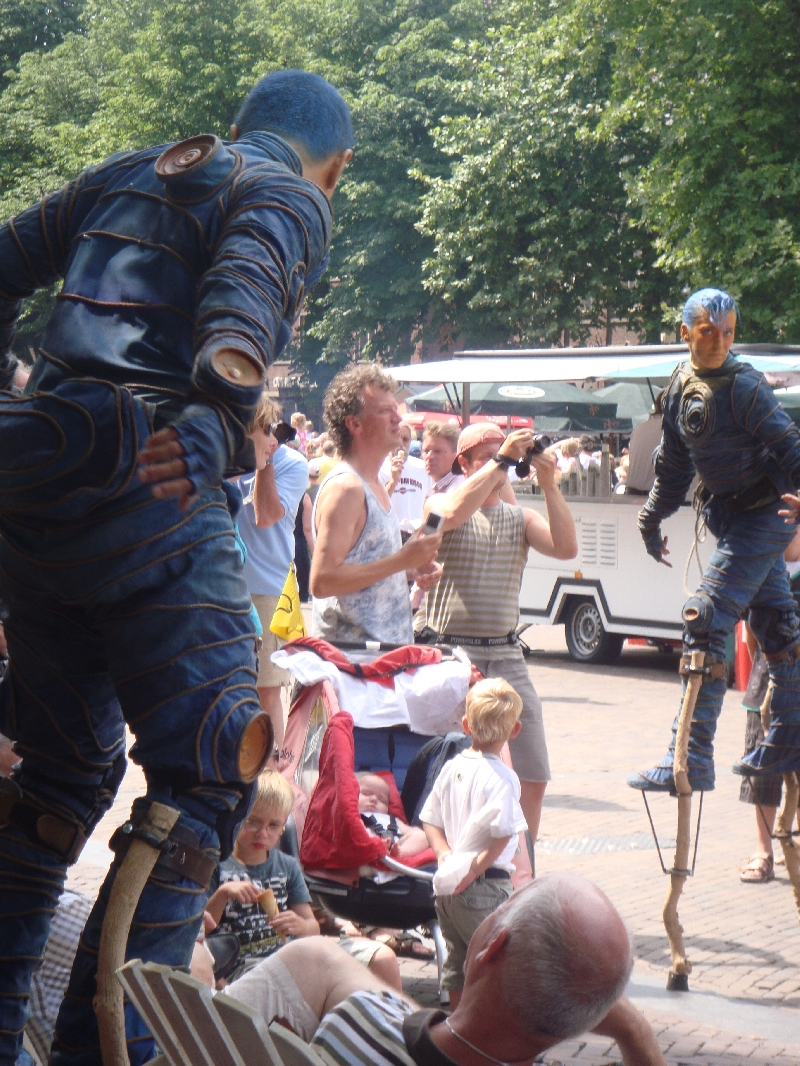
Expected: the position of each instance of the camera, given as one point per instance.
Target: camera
(540, 442)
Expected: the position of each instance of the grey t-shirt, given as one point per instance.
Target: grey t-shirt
(381, 611)
(257, 938)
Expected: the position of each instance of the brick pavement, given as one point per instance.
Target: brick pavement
(603, 722)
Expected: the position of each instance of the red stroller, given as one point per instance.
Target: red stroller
(324, 749)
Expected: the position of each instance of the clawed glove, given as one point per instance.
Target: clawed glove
(651, 535)
(206, 446)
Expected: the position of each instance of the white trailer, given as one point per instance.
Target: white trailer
(612, 589)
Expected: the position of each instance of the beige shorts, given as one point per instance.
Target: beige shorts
(529, 747)
(269, 675)
(459, 917)
(270, 990)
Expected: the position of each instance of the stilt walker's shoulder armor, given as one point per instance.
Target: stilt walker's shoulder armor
(727, 426)
(169, 255)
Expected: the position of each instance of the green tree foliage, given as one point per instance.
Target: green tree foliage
(715, 86)
(520, 169)
(33, 26)
(533, 233)
(395, 63)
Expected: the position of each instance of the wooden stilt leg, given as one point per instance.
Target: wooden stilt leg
(681, 967)
(125, 892)
(786, 818)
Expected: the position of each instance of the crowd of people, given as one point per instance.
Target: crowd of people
(156, 512)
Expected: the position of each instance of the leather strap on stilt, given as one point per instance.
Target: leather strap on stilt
(125, 892)
(766, 708)
(711, 670)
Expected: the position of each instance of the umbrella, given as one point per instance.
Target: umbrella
(554, 405)
(633, 401)
(663, 371)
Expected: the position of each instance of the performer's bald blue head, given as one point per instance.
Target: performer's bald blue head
(303, 108)
(715, 302)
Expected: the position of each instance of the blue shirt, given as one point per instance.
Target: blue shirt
(271, 551)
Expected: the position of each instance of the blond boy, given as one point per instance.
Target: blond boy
(471, 819)
(256, 865)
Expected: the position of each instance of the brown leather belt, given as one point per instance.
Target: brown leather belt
(179, 855)
(711, 670)
(61, 836)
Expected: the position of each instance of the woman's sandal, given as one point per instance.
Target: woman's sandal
(407, 946)
(758, 871)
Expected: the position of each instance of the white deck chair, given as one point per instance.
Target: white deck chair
(194, 1028)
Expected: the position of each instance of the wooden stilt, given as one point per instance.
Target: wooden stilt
(125, 892)
(681, 967)
(786, 817)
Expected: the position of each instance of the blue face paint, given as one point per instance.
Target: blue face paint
(716, 303)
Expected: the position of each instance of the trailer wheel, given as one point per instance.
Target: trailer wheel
(587, 640)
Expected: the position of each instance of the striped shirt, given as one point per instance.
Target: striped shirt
(478, 595)
(448, 483)
(366, 1029)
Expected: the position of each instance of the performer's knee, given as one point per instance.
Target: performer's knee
(58, 816)
(775, 630)
(698, 614)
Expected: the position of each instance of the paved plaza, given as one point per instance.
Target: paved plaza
(743, 940)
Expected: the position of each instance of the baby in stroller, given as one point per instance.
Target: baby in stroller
(374, 795)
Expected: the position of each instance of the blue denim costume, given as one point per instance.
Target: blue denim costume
(124, 609)
(727, 425)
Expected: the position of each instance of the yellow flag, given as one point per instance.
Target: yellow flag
(287, 622)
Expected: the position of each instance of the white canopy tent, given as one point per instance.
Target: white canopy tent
(577, 364)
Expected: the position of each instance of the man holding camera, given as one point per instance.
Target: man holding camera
(483, 554)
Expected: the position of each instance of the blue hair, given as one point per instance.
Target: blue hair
(716, 302)
(299, 107)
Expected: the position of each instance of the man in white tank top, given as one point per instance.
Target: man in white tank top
(360, 571)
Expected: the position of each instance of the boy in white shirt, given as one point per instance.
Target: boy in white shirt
(471, 819)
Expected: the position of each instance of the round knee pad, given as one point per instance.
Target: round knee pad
(698, 613)
(255, 747)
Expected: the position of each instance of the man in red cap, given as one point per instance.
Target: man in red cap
(483, 554)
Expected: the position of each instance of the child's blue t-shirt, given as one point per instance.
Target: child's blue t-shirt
(283, 875)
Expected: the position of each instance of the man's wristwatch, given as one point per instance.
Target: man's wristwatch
(504, 461)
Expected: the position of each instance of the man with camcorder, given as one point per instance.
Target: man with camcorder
(484, 550)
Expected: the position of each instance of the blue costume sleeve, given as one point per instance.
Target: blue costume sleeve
(674, 474)
(758, 412)
(35, 245)
(276, 232)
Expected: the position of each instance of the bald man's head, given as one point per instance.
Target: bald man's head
(568, 955)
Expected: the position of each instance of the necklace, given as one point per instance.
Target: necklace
(477, 1050)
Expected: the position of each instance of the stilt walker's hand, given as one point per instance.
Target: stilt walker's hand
(161, 464)
(792, 512)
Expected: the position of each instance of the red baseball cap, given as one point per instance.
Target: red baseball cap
(472, 436)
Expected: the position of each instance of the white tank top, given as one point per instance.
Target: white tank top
(381, 611)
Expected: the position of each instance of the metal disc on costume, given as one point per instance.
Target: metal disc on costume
(183, 157)
(255, 747)
(698, 410)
